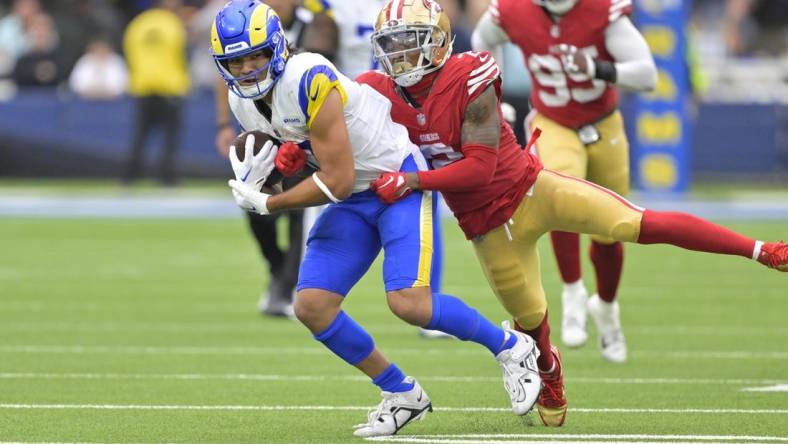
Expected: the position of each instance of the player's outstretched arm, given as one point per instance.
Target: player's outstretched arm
(331, 146)
(481, 132)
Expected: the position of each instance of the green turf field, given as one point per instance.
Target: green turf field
(120, 331)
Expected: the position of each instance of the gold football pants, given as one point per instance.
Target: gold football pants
(605, 162)
(508, 253)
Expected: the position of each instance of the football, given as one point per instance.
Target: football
(260, 138)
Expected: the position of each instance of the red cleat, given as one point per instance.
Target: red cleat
(774, 255)
(552, 403)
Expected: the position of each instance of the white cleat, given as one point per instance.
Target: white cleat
(434, 334)
(395, 412)
(520, 373)
(608, 326)
(573, 322)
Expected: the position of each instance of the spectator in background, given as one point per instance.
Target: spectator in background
(100, 74)
(41, 65)
(756, 27)
(155, 45)
(14, 41)
(201, 65)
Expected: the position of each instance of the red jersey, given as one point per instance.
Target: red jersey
(436, 129)
(573, 100)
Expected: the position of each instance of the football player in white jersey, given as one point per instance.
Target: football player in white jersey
(313, 30)
(345, 130)
(356, 22)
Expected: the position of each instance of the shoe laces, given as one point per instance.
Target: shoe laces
(374, 415)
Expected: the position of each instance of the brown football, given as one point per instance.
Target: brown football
(259, 140)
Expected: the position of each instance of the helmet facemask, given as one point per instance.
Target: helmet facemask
(275, 52)
(412, 39)
(248, 29)
(408, 52)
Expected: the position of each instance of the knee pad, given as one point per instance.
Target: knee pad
(626, 230)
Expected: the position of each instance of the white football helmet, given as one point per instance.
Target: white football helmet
(557, 7)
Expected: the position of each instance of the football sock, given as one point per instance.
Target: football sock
(451, 315)
(692, 233)
(347, 339)
(566, 247)
(608, 260)
(541, 335)
(392, 380)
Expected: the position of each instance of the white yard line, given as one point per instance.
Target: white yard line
(235, 350)
(573, 437)
(436, 378)
(252, 327)
(280, 408)
(771, 388)
(542, 438)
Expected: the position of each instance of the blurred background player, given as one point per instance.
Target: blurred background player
(155, 45)
(313, 30)
(579, 53)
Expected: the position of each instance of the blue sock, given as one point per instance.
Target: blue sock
(347, 339)
(509, 343)
(451, 315)
(392, 380)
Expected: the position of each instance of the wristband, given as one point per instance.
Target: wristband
(606, 71)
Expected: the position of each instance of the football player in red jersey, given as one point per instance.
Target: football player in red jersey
(502, 197)
(578, 54)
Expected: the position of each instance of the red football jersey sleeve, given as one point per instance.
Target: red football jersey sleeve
(436, 127)
(570, 99)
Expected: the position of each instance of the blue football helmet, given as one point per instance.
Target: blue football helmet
(244, 27)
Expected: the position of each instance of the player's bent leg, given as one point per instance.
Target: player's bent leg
(560, 150)
(512, 269)
(436, 274)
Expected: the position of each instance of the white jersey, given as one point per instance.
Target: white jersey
(356, 22)
(378, 144)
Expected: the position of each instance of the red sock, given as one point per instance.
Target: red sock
(692, 233)
(541, 336)
(608, 260)
(566, 247)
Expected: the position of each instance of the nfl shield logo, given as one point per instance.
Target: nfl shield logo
(422, 119)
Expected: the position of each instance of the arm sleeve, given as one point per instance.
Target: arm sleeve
(489, 36)
(475, 170)
(634, 65)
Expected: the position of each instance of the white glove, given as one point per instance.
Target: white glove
(255, 168)
(248, 198)
(576, 61)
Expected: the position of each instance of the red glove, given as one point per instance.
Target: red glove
(390, 187)
(290, 159)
